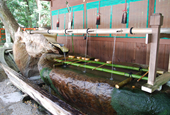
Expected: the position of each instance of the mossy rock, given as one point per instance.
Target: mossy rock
(137, 102)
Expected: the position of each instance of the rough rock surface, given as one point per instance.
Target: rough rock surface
(11, 99)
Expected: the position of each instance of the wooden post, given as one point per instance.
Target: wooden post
(156, 21)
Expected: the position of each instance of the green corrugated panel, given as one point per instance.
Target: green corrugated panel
(92, 5)
(73, 20)
(83, 16)
(111, 11)
(78, 8)
(147, 15)
(54, 12)
(64, 21)
(63, 11)
(155, 6)
(127, 25)
(165, 38)
(104, 3)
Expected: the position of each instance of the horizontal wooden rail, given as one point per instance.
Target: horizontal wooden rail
(50, 102)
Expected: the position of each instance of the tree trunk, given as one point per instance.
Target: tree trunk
(8, 19)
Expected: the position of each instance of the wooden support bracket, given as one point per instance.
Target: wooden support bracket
(161, 80)
(148, 38)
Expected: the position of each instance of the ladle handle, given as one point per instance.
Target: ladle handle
(99, 66)
(142, 76)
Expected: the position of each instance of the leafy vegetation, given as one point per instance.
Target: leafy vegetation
(27, 13)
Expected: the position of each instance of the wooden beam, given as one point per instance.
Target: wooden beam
(156, 21)
(161, 80)
(50, 102)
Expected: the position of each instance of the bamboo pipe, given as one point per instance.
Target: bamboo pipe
(79, 60)
(103, 31)
(75, 62)
(107, 62)
(159, 72)
(124, 82)
(120, 66)
(104, 70)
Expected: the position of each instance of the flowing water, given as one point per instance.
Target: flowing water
(65, 52)
(85, 53)
(111, 78)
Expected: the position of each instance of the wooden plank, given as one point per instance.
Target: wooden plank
(85, 15)
(163, 7)
(91, 18)
(82, 46)
(102, 50)
(54, 19)
(131, 40)
(104, 19)
(50, 102)
(117, 17)
(147, 54)
(138, 15)
(97, 50)
(76, 43)
(151, 10)
(78, 20)
(66, 20)
(90, 47)
(108, 51)
(161, 56)
(166, 60)
(120, 52)
(61, 21)
(129, 52)
(140, 55)
(161, 80)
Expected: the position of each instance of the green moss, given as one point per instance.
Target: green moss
(137, 102)
(44, 73)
